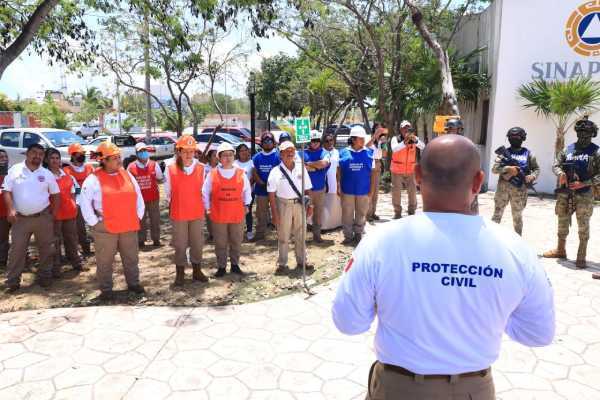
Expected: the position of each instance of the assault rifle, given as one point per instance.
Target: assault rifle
(507, 161)
(569, 167)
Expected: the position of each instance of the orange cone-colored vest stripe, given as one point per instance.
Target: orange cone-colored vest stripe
(403, 161)
(226, 201)
(186, 193)
(79, 176)
(119, 202)
(67, 208)
(146, 178)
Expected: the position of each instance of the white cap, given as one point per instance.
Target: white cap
(405, 124)
(315, 134)
(224, 147)
(139, 146)
(286, 145)
(358, 131)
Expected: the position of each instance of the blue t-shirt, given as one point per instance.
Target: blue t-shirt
(263, 164)
(317, 177)
(355, 168)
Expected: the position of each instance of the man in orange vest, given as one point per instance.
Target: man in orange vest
(404, 157)
(112, 204)
(148, 176)
(79, 170)
(227, 196)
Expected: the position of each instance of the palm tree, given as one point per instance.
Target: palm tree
(562, 102)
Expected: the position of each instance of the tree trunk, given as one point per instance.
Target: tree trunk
(363, 111)
(559, 144)
(449, 101)
(30, 29)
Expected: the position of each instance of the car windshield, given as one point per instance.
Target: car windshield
(63, 138)
(203, 138)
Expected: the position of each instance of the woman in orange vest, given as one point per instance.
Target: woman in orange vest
(112, 204)
(4, 224)
(65, 217)
(183, 189)
(227, 194)
(79, 170)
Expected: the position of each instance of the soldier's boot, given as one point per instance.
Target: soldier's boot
(316, 229)
(581, 253)
(179, 275)
(197, 274)
(559, 252)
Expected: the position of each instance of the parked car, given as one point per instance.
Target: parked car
(341, 132)
(161, 147)
(86, 130)
(125, 142)
(242, 133)
(15, 141)
(202, 139)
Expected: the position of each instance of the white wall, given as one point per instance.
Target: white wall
(531, 31)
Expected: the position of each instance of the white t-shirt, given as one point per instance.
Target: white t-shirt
(279, 184)
(30, 190)
(247, 166)
(334, 161)
(445, 293)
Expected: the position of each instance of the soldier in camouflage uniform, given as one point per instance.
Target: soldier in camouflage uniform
(578, 168)
(512, 188)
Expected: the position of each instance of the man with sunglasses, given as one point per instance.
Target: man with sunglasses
(316, 160)
(264, 162)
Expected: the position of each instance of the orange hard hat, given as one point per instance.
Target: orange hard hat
(107, 149)
(76, 148)
(186, 142)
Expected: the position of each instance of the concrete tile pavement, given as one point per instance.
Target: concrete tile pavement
(284, 348)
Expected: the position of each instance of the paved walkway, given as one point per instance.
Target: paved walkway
(285, 348)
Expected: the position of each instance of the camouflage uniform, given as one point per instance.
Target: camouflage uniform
(507, 192)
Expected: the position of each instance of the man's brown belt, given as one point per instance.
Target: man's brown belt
(405, 372)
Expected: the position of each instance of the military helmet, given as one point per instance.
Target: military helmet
(517, 131)
(454, 123)
(585, 125)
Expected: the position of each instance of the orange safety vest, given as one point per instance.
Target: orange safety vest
(119, 202)
(88, 169)
(67, 208)
(3, 210)
(226, 201)
(146, 179)
(403, 161)
(186, 193)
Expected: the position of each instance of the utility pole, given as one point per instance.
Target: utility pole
(147, 68)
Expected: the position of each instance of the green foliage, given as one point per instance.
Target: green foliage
(48, 113)
(127, 124)
(6, 104)
(93, 102)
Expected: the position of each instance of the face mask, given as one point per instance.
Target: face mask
(143, 155)
(80, 158)
(584, 138)
(514, 142)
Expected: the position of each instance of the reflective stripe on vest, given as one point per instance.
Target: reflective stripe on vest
(146, 179)
(186, 193)
(79, 176)
(67, 208)
(119, 202)
(226, 201)
(403, 161)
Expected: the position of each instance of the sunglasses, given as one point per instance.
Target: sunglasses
(268, 141)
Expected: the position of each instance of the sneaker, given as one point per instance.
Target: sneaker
(376, 217)
(235, 269)
(137, 289)
(250, 235)
(106, 295)
(281, 270)
(220, 273)
(309, 267)
(157, 243)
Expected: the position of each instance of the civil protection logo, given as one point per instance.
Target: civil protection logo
(583, 29)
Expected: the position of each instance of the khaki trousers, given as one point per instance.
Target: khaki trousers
(375, 196)
(65, 231)
(318, 200)
(151, 221)
(262, 214)
(42, 228)
(228, 238)
(188, 234)
(4, 236)
(399, 180)
(81, 232)
(290, 223)
(107, 244)
(354, 214)
(385, 384)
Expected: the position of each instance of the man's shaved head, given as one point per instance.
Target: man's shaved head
(449, 173)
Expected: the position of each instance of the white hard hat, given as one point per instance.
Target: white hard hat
(358, 131)
(140, 146)
(405, 124)
(286, 145)
(315, 134)
(224, 147)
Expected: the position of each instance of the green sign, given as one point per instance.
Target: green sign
(302, 126)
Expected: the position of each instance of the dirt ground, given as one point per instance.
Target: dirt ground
(157, 273)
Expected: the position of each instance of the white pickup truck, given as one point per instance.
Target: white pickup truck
(125, 142)
(87, 130)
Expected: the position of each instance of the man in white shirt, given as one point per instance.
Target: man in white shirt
(444, 301)
(31, 195)
(286, 205)
(377, 145)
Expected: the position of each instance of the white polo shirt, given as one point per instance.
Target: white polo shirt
(227, 174)
(279, 184)
(334, 161)
(443, 301)
(90, 200)
(30, 190)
